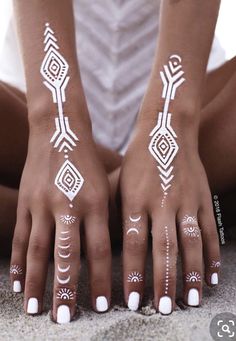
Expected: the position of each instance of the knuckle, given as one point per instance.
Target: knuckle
(31, 283)
(135, 246)
(172, 247)
(100, 250)
(38, 247)
(18, 242)
(96, 200)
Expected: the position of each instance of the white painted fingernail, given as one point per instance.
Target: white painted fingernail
(101, 304)
(165, 305)
(193, 297)
(133, 301)
(63, 314)
(33, 306)
(214, 278)
(16, 286)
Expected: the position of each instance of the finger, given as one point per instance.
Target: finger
(67, 266)
(19, 250)
(98, 250)
(37, 263)
(135, 243)
(211, 247)
(192, 259)
(164, 265)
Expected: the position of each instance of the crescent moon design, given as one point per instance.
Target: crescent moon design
(132, 229)
(134, 220)
(63, 256)
(64, 247)
(63, 269)
(64, 238)
(63, 281)
(64, 232)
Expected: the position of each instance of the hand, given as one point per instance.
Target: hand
(178, 203)
(45, 203)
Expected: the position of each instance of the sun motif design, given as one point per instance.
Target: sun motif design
(215, 264)
(16, 270)
(135, 277)
(193, 277)
(65, 294)
(190, 220)
(192, 231)
(67, 219)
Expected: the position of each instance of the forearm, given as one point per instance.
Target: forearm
(32, 19)
(186, 30)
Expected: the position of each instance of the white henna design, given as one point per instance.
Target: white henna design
(193, 277)
(132, 229)
(163, 146)
(135, 277)
(64, 256)
(69, 180)
(63, 270)
(16, 270)
(54, 69)
(63, 281)
(167, 273)
(134, 220)
(215, 264)
(65, 294)
(64, 238)
(64, 247)
(192, 229)
(67, 219)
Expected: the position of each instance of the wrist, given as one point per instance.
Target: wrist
(184, 107)
(42, 112)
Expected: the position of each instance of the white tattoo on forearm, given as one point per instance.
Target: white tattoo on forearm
(163, 145)
(54, 69)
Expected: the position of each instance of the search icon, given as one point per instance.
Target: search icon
(225, 328)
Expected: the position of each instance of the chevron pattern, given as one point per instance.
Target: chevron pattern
(163, 145)
(115, 42)
(54, 69)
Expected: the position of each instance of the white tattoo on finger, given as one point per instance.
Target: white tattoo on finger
(135, 277)
(193, 276)
(215, 264)
(163, 146)
(167, 273)
(190, 226)
(16, 270)
(65, 294)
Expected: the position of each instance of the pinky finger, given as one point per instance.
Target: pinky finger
(19, 252)
(211, 248)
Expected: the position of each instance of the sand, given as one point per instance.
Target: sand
(119, 323)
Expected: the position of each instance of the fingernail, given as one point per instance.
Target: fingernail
(63, 314)
(165, 305)
(33, 306)
(101, 304)
(193, 297)
(133, 301)
(214, 278)
(16, 286)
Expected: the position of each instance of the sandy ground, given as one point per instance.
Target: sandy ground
(119, 323)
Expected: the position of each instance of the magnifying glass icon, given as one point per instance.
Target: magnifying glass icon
(225, 328)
